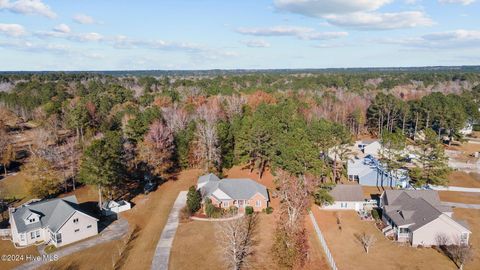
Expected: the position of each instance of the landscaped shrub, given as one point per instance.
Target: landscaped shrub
(375, 214)
(50, 248)
(269, 210)
(232, 210)
(248, 210)
(209, 208)
(194, 200)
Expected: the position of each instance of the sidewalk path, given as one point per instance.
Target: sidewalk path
(162, 252)
(114, 231)
(462, 205)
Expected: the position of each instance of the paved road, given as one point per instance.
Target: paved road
(452, 188)
(162, 252)
(114, 231)
(462, 205)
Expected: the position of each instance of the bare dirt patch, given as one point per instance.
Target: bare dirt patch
(349, 253)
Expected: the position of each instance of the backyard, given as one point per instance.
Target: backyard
(349, 253)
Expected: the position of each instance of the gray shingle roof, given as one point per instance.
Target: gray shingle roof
(413, 207)
(235, 188)
(347, 193)
(53, 213)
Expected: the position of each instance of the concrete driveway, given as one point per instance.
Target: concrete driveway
(162, 252)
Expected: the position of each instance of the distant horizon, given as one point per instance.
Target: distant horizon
(385, 68)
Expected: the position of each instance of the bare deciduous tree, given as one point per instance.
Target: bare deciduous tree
(175, 117)
(237, 240)
(460, 254)
(367, 241)
(233, 105)
(156, 150)
(294, 195)
(207, 150)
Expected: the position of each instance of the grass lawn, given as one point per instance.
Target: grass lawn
(463, 179)
(472, 216)
(459, 197)
(384, 254)
(195, 245)
(6, 248)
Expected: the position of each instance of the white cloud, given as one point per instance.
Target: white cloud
(88, 37)
(13, 30)
(256, 43)
(462, 2)
(299, 32)
(380, 21)
(28, 7)
(62, 28)
(356, 14)
(441, 40)
(318, 8)
(83, 19)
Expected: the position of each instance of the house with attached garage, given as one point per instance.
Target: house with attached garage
(238, 192)
(57, 221)
(369, 147)
(419, 218)
(346, 197)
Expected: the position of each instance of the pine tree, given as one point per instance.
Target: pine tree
(101, 163)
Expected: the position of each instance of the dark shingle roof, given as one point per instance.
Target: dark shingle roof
(348, 193)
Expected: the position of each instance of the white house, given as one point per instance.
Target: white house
(419, 218)
(346, 197)
(369, 147)
(57, 221)
(113, 207)
(369, 171)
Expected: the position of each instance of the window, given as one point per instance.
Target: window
(89, 226)
(22, 237)
(32, 220)
(32, 235)
(464, 238)
(75, 220)
(59, 238)
(258, 203)
(77, 230)
(37, 234)
(226, 203)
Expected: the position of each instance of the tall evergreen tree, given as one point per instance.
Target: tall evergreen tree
(101, 163)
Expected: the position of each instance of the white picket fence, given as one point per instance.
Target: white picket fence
(330, 259)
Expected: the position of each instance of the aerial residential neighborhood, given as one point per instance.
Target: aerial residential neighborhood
(240, 135)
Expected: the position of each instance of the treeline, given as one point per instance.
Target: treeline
(446, 114)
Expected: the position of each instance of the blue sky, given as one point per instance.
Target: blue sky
(230, 34)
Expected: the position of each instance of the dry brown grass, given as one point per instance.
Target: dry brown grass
(149, 214)
(195, 246)
(472, 216)
(463, 179)
(460, 197)
(7, 248)
(384, 254)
